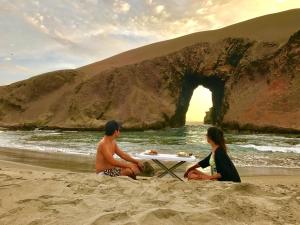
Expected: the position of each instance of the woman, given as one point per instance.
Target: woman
(222, 168)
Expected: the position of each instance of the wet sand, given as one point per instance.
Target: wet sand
(86, 163)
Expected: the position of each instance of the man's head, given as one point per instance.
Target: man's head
(112, 128)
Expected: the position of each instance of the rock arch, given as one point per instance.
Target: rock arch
(255, 85)
(190, 82)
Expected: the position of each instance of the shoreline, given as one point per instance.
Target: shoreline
(86, 163)
(38, 195)
(229, 127)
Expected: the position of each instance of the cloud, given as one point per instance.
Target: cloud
(159, 9)
(121, 6)
(93, 2)
(149, 2)
(56, 34)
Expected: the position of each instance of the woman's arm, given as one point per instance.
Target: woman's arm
(190, 169)
(203, 163)
(194, 167)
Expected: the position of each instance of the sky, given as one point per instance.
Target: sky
(200, 103)
(39, 36)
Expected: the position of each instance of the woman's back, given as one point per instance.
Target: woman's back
(225, 166)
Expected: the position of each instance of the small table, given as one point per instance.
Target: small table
(167, 157)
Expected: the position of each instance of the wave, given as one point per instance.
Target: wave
(47, 148)
(286, 149)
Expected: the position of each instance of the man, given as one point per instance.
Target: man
(106, 164)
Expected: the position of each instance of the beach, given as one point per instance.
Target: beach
(34, 194)
(163, 84)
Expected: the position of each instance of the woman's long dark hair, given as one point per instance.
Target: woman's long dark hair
(217, 136)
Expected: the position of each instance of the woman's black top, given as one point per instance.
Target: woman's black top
(224, 166)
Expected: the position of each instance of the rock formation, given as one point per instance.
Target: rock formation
(255, 85)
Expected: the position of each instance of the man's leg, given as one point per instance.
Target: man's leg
(131, 173)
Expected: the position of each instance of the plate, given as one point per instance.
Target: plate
(183, 154)
(151, 152)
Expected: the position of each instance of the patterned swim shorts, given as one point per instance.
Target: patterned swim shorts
(114, 172)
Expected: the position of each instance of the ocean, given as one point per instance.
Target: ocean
(246, 149)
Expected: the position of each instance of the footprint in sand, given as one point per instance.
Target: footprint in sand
(49, 200)
(111, 218)
(37, 222)
(46, 196)
(80, 188)
(11, 212)
(162, 216)
(5, 177)
(8, 186)
(25, 172)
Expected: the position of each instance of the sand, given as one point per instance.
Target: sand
(40, 195)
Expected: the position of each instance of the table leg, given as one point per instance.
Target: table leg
(171, 168)
(168, 170)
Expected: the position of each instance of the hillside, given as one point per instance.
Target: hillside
(276, 27)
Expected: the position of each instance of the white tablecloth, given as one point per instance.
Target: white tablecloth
(165, 157)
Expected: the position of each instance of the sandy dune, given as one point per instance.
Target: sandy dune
(36, 195)
(277, 27)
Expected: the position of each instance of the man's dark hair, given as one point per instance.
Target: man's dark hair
(111, 127)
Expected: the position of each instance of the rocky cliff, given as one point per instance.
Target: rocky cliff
(255, 85)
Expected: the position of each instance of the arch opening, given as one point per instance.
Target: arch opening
(199, 106)
(189, 83)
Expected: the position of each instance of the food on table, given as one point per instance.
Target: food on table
(184, 154)
(151, 152)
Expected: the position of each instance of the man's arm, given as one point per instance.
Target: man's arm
(110, 159)
(125, 156)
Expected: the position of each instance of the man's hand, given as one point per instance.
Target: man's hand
(133, 168)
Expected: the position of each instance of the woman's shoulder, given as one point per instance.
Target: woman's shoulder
(220, 152)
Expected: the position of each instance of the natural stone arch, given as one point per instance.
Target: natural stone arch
(253, 84)
(190, 82)
(211, 66)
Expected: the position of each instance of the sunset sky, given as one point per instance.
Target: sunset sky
(199, 104)
(40, 36)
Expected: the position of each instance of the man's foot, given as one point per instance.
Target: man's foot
(129, 173)
(133, 176)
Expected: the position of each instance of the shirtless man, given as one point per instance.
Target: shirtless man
(105, 162)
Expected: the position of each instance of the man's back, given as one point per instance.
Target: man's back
(101, 163)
